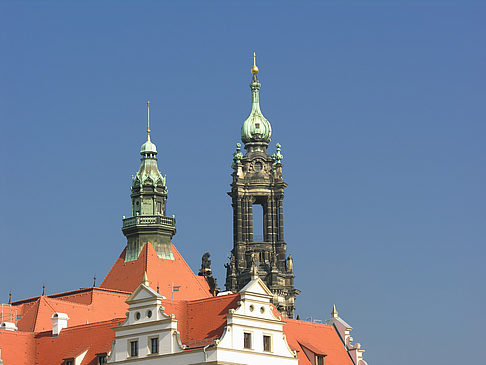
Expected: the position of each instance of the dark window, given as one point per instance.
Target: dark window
(267, 343)
(257, 125)
(69, 362)
(101, 359)
(319, 360)
(154, 345)
(133, 348)
(247, 340)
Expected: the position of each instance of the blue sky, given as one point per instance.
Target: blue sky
(379, 107)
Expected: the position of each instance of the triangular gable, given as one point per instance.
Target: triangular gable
(256, 286)
(143, 292)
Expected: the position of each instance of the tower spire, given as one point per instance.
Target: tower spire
(148, 120)
(254, 69)
(256, 128)
(149, 196)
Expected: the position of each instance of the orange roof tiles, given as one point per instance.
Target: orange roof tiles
(203, 320)
(71, 342)
(319, 339)
(35, 314)
(163, 273)
(17, 348)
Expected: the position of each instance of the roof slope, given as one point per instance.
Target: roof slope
(17, 348)
(162, 273)
(95, 338)
(35, 314)
(201, 321)
(318, 338)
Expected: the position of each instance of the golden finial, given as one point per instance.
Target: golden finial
(254, 69)
(148, 120)
(334, 312)
(145, 279)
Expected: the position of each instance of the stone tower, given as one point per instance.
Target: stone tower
(148, 222)
(258, 184)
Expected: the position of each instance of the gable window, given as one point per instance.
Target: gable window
(101, 359)
(133, 348)
(267, 343)
(154, 345)
(247, 340)
(69, 362)
(319, 360)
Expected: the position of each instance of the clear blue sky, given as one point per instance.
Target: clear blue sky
(380, 110)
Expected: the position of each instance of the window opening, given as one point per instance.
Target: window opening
(154, 345)
(133, 348)
(247, 340)
(267, 343)
(258, 223)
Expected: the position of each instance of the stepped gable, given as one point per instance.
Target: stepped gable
(163, 273)
(321, 339)
(82, 306)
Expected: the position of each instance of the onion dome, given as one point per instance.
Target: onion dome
(256, 127)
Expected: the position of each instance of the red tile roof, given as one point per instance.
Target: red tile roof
(71, 342)
(201, 321)
(319, 339)
(17, 348)
(83, 306)
(164, 273)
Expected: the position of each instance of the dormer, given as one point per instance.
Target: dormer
(255, 328)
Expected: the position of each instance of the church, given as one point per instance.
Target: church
(137, 315)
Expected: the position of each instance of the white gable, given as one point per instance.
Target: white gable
(256, 286)
(142, 293)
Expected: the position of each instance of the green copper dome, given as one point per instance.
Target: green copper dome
(148, 147)
(149, 173)
(256, 128)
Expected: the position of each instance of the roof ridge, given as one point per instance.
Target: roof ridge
(90, 325)
(210, 298)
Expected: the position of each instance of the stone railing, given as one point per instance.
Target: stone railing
(148, 220)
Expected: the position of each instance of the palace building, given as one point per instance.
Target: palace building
(133, 317)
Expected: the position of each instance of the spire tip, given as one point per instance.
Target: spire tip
(254, 69)
(148, 120)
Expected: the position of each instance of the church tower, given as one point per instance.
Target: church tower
(259, 248)
(148, 222)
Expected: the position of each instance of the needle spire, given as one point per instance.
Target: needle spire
(254, 69)
(148, 120)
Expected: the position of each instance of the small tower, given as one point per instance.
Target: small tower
(149, 196)
(258, 184)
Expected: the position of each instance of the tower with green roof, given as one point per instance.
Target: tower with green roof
(149, 222)
(258, 184)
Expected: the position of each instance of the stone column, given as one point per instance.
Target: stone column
(239, 227)
(250, 219)
(280, 219)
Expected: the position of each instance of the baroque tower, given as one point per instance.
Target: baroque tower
(258, 184)
(149, 222)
